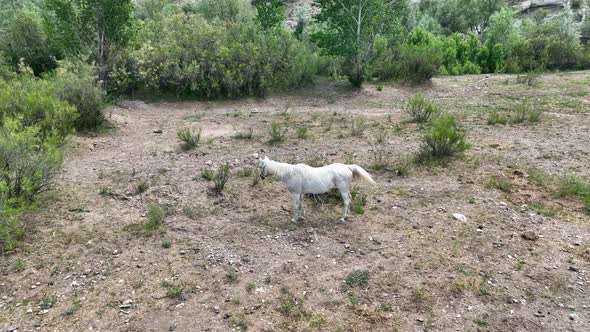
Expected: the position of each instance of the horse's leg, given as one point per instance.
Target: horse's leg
(346, 199)
(301, 208)
(295, 207)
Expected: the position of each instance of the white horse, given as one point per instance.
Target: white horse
(303, 179)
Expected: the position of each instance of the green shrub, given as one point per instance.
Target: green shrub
(358, 202)
(357, 278)
(31, 103)
(277, 133)
(572, 185)
(444, 139)
(499, 182)
(155, 217)
(420, 110)
(28, 162)
(207, 174)
(302, 132)
(75, 83)
(220, 177)
(189, 137)
(188, 56)
(525, 113)
(11, 232)
(495, 118)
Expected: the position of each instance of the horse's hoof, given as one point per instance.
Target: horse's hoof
(340, 221)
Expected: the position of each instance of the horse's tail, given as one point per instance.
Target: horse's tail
(360, 172)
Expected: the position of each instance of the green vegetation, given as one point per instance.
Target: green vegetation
(155, 217)
(220, 177)
(189, 137)
(444, 139)
(420, 110)
(357, 278)
(499, 182)
(277, 133)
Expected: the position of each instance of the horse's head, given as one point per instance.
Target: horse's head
(262, 162)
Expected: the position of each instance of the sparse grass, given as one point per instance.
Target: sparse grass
(443, 140)
(155, 217)
(349, 158)
(525, 113)
(105, 191)
(291, 306)
(189, 137)
(418, 296)
(495, 118)
(207, 174)
(302, 132)
(173, 291)
(317, 161)
(46, 302)
(220, 177)
(247, 133)
(12, 232)
(245, 172)
(499, 182)
(277, 133)
(191, 212)
(480, 322)
(420, 110)
(519, 265)
(380, 87)
(193, 117)
(250, 287)
(381, 136)
(19, 265)
(385, 307)
(572, 185)
(239, 322)
(403, 167)
(142, 187)
(358, 126)
(231, 277)
(537, 177)
(379, 158)
(541, 209)
(357, 279)
(166, 243)
(73, 308)
(358, 202)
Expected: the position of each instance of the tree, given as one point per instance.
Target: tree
(90, 26)
(270, 13)
(351, 26)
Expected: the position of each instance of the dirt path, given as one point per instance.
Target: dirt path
(235, 262)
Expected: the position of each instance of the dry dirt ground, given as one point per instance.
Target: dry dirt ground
(234, 261)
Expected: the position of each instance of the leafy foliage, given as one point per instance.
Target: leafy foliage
(444, 139)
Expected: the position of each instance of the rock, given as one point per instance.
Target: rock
(157, 131)
(255, 155)
(573, 316)
(209, 162)
(573, 268)
(530, 236)
(216, 309)
(459, 217)
(172, 327)
(115, 252)
(12, 328)
(503, 205)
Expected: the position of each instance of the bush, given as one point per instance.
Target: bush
(420, 110)
(75, 83)
(220, 177)
(418, 64)
(443, 140)
(277, 133)
(30, 102)
(189, 137)
(187, 56)
(155, 217)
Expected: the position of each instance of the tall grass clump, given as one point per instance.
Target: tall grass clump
(420, 110)
(277, 133)
(220, 177)
(155, 217)
(189, 137)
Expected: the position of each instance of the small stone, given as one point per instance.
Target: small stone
(255, 155)
(115, 252)
(157, 131)
(209, 162)
(346, 245)
(530, 236)
(12, 328)
(573, 316)
(459, 217)
(573, 268)
(172, 327)
(503, 205)
(216, 309)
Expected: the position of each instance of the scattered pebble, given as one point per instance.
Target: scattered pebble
(459, 217)
(157, 131)
(573, 316)
(573, 268)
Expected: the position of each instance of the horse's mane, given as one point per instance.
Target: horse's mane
(280, 170)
